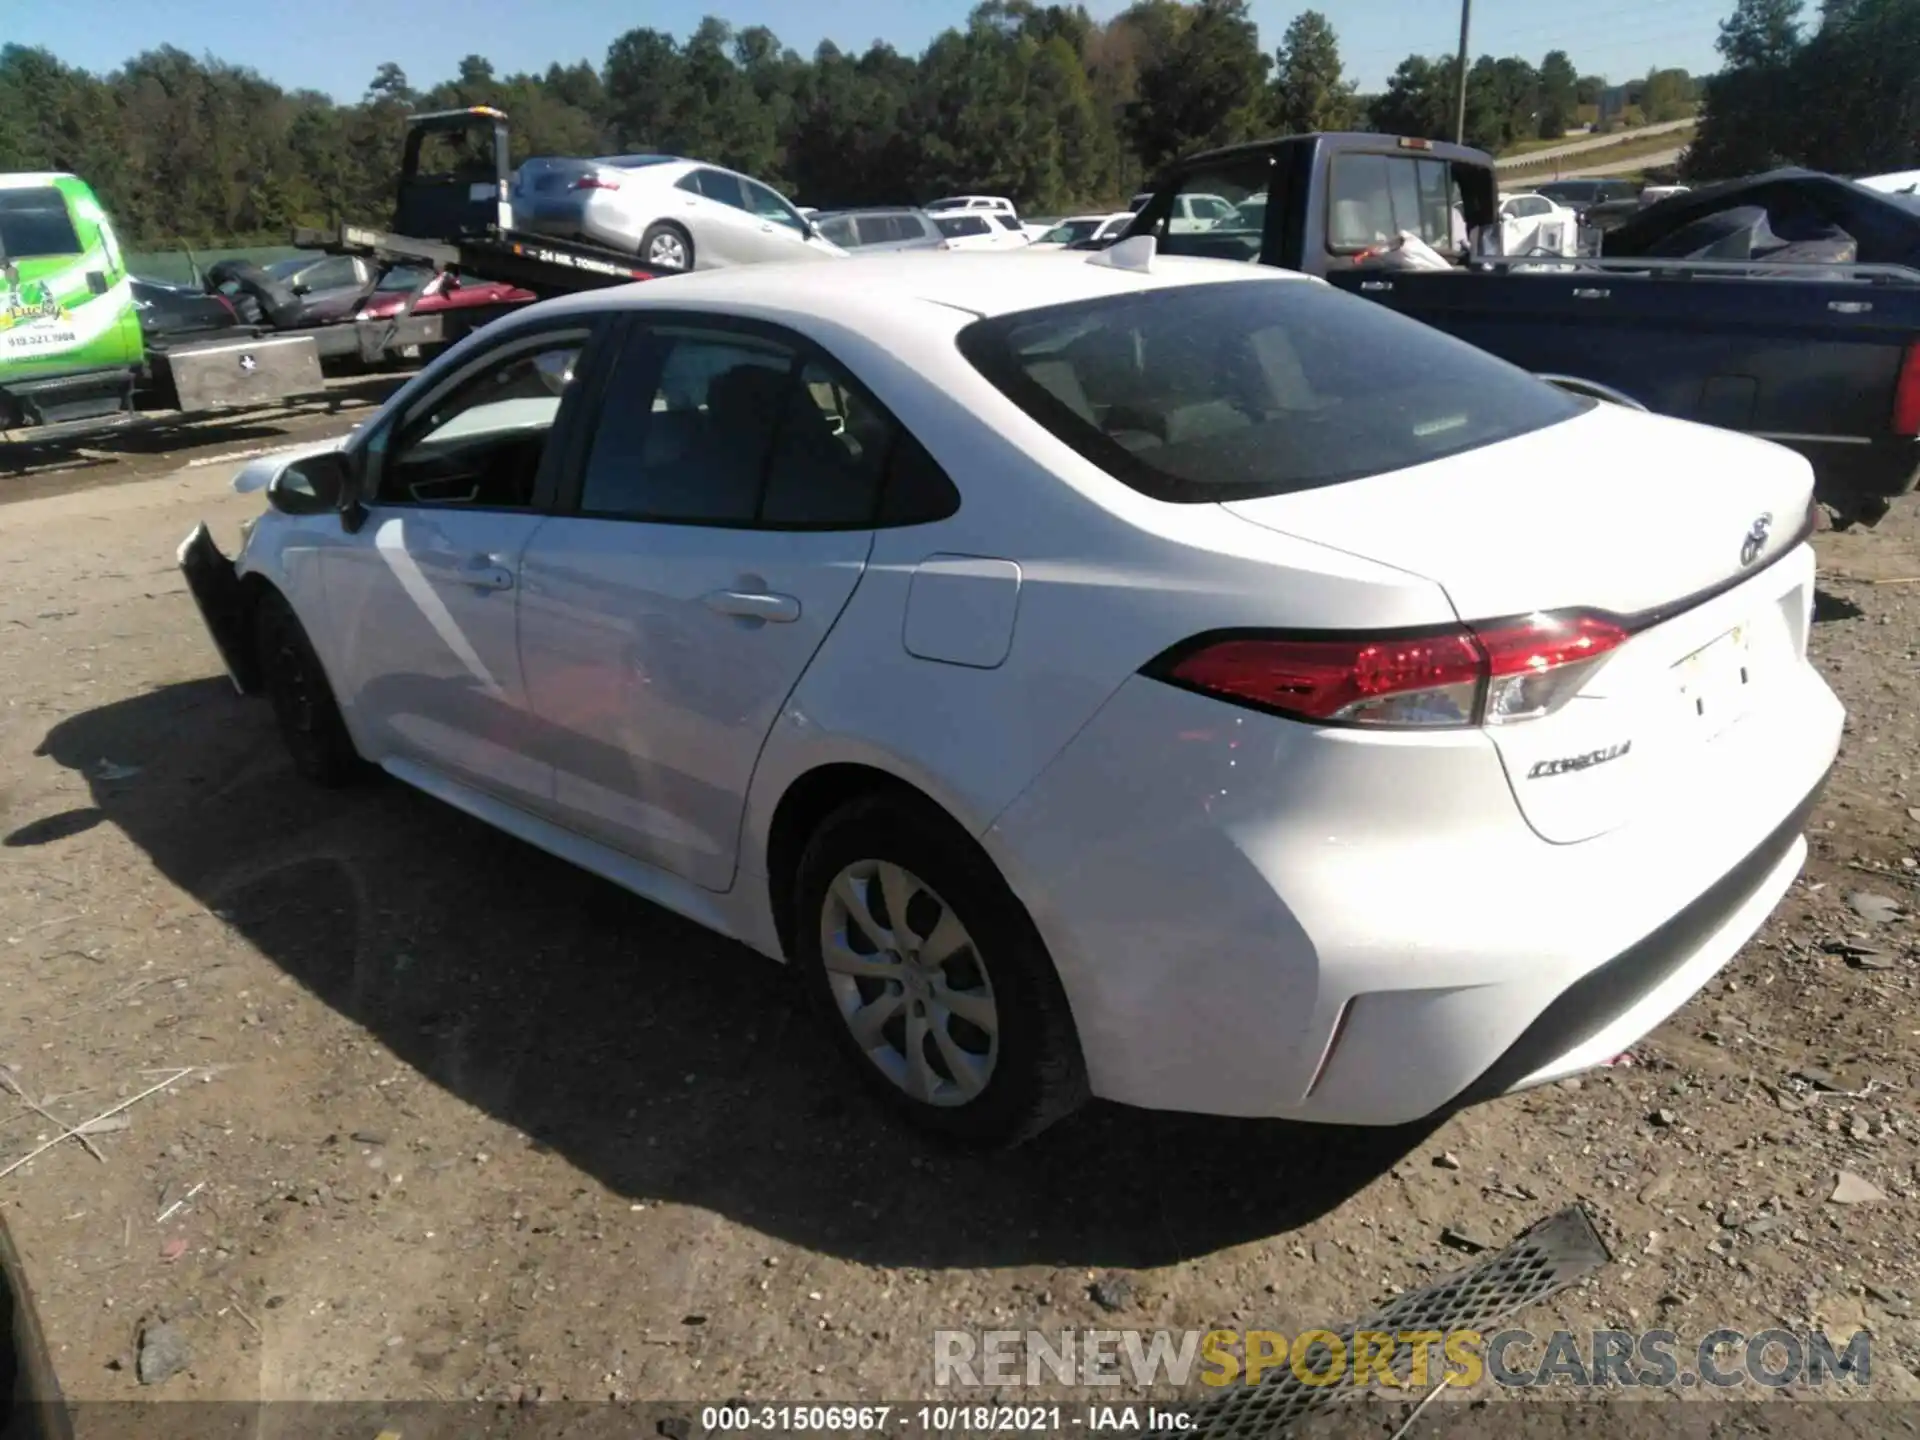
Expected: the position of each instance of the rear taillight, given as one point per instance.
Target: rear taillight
(1906, 394)
(594, 182)
(1490, 674)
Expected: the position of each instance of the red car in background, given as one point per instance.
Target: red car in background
(445, 291)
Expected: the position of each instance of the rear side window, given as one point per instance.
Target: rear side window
(34, 222)
(1233, 390)
(717, 185)
(738, 431)
(954, 225)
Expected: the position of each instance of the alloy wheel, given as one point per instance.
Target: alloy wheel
(909, 983)
(667, 252)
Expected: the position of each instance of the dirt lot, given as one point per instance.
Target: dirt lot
(469, 1123)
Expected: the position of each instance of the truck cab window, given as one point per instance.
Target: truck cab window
(1372, 198)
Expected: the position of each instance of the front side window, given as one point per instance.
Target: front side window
(1228, 391)
(953, 226)
(840, 231)
(34, 222)
(769, 206)
(334, 273)
(482, 443)
(1070, 232)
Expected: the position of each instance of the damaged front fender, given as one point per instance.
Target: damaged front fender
(223, 600)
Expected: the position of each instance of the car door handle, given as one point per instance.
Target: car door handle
(753, 605)
(487, 572)
(1376, 284)
(1590, 294)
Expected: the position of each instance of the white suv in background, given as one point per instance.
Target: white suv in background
(981, 229)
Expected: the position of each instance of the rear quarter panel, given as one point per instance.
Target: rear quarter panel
(1108, 579)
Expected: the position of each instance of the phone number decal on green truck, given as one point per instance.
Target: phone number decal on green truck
(66, 299)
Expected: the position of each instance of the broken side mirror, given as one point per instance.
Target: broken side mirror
(314, 485)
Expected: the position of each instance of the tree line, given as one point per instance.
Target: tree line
(1833, 87)
(1039, 102)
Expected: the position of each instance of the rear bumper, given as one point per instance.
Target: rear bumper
(216, 590)
(1256, 918)
(1581, 1028)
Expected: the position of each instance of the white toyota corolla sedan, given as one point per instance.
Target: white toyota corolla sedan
(1154, 678)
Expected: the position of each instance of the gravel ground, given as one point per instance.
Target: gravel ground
(462, 1122)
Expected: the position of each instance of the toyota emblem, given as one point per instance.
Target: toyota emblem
(1756, 540)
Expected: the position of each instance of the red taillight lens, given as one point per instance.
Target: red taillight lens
(594, 182)
(1535, 665)
(1906, 394)
(1361, 680)
(1492, 674)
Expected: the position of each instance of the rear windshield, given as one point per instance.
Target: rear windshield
(1231, 390)
(35, 222)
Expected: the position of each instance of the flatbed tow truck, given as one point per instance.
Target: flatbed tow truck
(452, 212)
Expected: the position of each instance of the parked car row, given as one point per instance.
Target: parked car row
(306, 290)
(677, 214)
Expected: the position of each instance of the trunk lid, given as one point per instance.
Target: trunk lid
(1614, 510)
(1652, 520)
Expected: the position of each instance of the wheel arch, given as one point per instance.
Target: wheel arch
(806, 802)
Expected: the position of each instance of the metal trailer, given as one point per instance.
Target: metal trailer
(459, 219)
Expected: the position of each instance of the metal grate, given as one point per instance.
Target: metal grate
(1551, 1256)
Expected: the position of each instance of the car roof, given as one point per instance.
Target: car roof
(979, 283)
(639, 160)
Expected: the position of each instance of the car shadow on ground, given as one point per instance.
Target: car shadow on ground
(664, 1061)
(1828, 607)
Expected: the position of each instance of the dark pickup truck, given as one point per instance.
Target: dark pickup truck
(1821, 357)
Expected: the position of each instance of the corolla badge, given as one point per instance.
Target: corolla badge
(1756, 540)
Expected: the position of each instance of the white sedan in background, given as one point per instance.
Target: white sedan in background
(1533, 224)
(1116, 674)
(674, 214)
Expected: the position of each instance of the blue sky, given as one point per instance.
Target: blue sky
(335, 46)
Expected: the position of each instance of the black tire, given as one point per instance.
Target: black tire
(662, 229)
(1037, 1075)
(303, 704)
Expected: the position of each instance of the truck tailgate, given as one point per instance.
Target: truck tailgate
(1810, 363)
